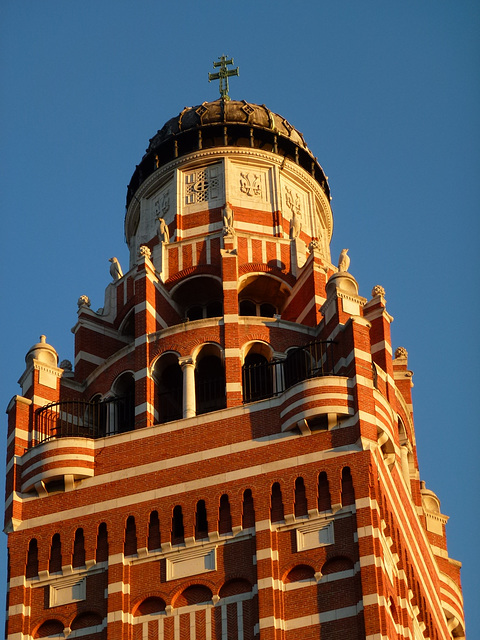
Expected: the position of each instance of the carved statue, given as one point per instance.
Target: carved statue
(378, 290)
(343, 261)
(163, 232)
(401, 352)
(295, 225)
(228, 219)
(83, 301)
(144, 251)
(115, 269)
(314, 244)
(66, 365)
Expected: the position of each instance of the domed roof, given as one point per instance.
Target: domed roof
(225, 123)
(227, 112)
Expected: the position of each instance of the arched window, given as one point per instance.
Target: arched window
(348, 494)
(276, 508)
(324, 499)
(78, 559)
(130, 545)
(124, 390)
(153, 532)
(262, 295)
(258, 372)
(248, 512)
(31, 570)
(199, 297)
(209, 380)
(178, 531)
(224, 515)
(55, 561)
(201, 522)
(168, 376)
(102, 543)
(301, 508)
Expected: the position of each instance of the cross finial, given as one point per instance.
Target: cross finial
(223, 75)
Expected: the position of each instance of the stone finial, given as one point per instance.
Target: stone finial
(401, 352)
(115, 269)
(83, 301)
(66, 365)
(163, 232)
(314, 244)
(144, 251)
(378, 290)
(343, 261)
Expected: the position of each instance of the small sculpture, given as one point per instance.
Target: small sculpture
(378, 290)
(295, 226)
(144, 251)
(83, 301)
(66, 365)
(163, 232)
(343, 261)
(314, 244)
(401, 352)
(227, 219)
(115, 269)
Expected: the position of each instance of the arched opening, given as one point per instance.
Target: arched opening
(199, 297)
(258, 373)
(49, 628)
(348, 494)
(124, 407)
(130, 544)
(209, 380)
(300, 572)
(262, 295)
(276, 505)
(324, 499)
(201, 522)
(301, 508)
(127, 327)
(85, 620)
(78, 559)
(31, 570)
(178, 531)
(102, 543)
(168, 377)
(55, 561)
(248, 511)
(224, 515)
(153, 532)
(150, 606)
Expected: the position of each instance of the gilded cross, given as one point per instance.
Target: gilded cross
(223, 75)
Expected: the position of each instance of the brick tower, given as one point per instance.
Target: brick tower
(232, 456)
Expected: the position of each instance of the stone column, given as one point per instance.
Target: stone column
(405, 466)
(188, 368)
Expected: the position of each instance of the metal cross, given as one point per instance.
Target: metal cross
(223, 75)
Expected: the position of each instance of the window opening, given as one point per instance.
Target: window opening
(178, 531)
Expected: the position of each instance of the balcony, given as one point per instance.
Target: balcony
(82, 419)
(263, 379)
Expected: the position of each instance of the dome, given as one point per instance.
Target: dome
(225, 123)
(42, 352)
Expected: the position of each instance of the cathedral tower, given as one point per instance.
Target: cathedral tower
(232, 455)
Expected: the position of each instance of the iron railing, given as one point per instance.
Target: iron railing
(79, 418)
(268, 379)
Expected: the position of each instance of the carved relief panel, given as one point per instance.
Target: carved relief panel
(201, 187)
(249, 185)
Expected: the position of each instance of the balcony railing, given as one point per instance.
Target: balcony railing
(265, 380)
(78, 418)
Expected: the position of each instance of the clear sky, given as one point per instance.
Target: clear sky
(387, 97)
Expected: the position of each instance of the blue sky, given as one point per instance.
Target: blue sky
(387, 97)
